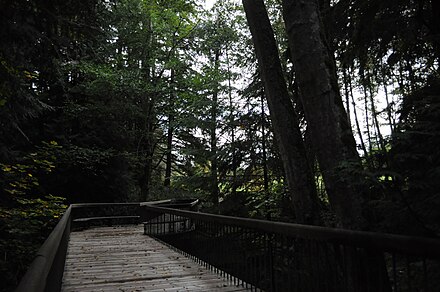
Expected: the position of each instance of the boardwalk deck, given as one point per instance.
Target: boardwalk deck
(123, 259)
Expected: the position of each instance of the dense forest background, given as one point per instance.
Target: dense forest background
(138, 100)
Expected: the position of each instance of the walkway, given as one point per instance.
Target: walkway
(123, 259)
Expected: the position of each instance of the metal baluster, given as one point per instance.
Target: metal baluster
(254, 262)
(224, 250)
(157, 225)
(245, 257)
(394, 273)
(425, 275)
(271, 261)
(408, 271)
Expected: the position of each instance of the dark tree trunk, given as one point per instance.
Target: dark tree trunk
(389, 109)
(347, 95)
(285, 122)
(232, 125)
(358, 127)
(263, 145)
(367, 115)
(145, 179)
(331, 134)
(374, 114)
(148, 151)
(147, 145)
(169, 157)
(213, 128)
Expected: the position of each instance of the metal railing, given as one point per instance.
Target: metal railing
(257, 254)
(275, 256)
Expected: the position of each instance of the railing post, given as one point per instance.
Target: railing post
(269, 238)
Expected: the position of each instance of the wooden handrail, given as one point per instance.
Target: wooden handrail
(47, 261)
(410, 245)
(46, 271)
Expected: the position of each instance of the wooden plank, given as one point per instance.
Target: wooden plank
(123, 259)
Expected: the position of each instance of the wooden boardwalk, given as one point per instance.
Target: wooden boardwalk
(123, 259)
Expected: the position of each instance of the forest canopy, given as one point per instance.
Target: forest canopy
(139, 100)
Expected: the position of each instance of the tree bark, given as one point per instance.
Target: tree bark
(285, 122)
(232, 125)
(374, 113)
(169, 157)
(389, 109)
(347, 95)
(263, 146)
(358, 127)
(331, 134)
(213, 128)
(147, 150)
(366, 112)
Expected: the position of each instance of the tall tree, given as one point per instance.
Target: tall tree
(213, 132)
(331, 134)
(170, 132)
(284, 119)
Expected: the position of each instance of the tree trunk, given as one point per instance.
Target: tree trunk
(375, 120)
(169, 157)
(148, 150)
(232, 125)
(146, 178)
(285, 122)
(331, 134)
(367, 116)
(347, 95)
(263, 145)
(213, 128)
(358, 127)
(389, 109)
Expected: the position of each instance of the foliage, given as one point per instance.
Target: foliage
(27, 215)
(273, 204)
(416, 157)
(23, 229)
